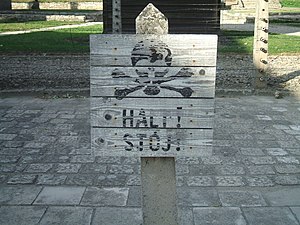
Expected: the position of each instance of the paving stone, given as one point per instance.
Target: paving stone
(18, 195)
(286, 168)
(289, 144)
(38, 168)
(117, 216)
(229, 181)
(67, 168)
(296, 211)
(13, 144)
(9, 158)
(180, 181)
(294, 151)
(276, 151)
(81, 151)
(269, 215)
(241, 198)
(288, 160)
(131, 160)
(185, 216)
(82, 159)
(262, 160)
(283, 197)
(22, 179)
(218, 216)
(187, 160)
(93, 168)
(55, 158)
(252, 151)
(197, 197)
(109, 160)
(7, 137)
(95, 196)
(121, 169)
(205, 170)
(51, 179)
(260, 169)
(182, 169)
(134, 180)
(259, 181)
(10, 151)
(111, 180)
(81, 179)
(67, 216)
(21, 215)
(35, 145)
(134, 197)
(281, 127)
(213, 160)
(60, 196)
(201, 181)
(287, 180)
(230, 170)
(34, 158)
(2, 178)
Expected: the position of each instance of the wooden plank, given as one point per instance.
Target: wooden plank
(152, 82)
(151, 142)
(150, 50)
(123, 72)
(163, 113)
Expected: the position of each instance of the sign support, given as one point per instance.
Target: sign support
(158, 175)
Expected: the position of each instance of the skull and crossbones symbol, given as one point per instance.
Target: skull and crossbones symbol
(152, 79)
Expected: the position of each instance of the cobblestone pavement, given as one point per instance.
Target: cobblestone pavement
(48, 175)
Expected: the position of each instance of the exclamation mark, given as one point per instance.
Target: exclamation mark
(178, 119)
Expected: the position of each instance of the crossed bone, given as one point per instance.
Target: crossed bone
(152, 86)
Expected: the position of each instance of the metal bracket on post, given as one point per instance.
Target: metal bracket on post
(116, 17)
(159, 197)
(260, 48)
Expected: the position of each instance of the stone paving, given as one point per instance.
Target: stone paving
(49, 176)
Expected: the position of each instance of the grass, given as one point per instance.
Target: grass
(290, 3)
(75, 40)
(12, 25)
(242, 42)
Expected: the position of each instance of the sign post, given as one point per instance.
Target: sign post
(152, 96)
(158, 174)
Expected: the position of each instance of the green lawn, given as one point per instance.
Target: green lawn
(75, 40)
(290, 3)
(242, 42)
(17, 26)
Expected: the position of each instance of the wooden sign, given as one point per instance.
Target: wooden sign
(152, 96)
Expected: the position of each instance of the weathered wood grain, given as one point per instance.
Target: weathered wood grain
(151, 142)
(153, 82)
(185, 50)
(159, 113)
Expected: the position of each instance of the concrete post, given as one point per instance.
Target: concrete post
(159, 197)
